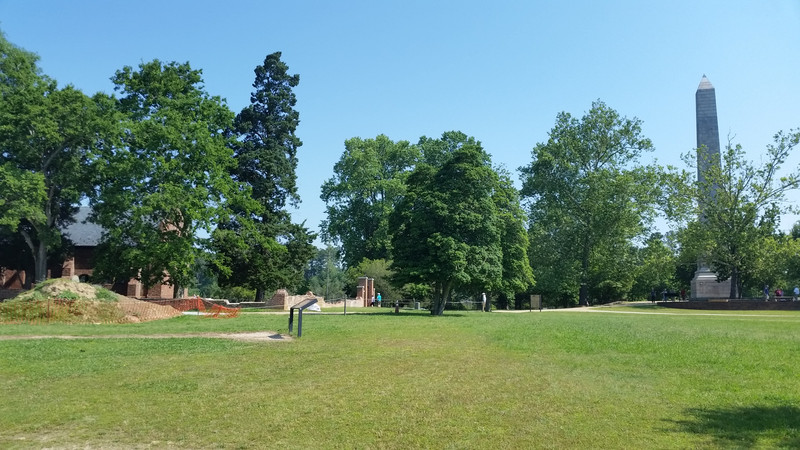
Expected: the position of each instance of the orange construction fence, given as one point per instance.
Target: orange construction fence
(198, 304)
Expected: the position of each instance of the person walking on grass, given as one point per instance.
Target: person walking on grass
(796, 293)
(378, 299)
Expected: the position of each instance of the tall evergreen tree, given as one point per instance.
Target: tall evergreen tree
(266, 152)
(258, 246)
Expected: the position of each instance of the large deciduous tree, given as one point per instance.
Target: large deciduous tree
(369, 180)
(742, 215)
(514, 241)
(446, 231)
(436, 151)
(167, 180)
(258, 246)
(656, 267)
(22, 195)
(47, 135)
(586, 193)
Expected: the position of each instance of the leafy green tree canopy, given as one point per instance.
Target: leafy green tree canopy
(168, 179)
(586, 192)
(369, 180)
(22, 195)
(324, 274)
(743, 213)
(436, 152)
(47, 137)
(517, 273)
(445, 230)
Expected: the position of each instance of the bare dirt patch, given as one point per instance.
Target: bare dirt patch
(141, 311)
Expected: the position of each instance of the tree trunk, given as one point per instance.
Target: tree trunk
(442, 291)
(260, 294)
(39, 253)
(735, 292)
(40, 262)
(583, 296)
(28, 284)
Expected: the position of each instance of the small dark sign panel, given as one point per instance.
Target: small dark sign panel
(536, 301)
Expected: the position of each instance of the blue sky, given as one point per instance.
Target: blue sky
(499, 71)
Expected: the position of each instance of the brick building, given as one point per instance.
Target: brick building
(85, 237)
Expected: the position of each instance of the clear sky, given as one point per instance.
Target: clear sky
(499, 71)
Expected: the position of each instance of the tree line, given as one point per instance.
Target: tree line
(162, 163)
(190, 192)
(445, 223)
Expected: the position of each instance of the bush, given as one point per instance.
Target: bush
(105, 294)
(238, 294)
(68, 295)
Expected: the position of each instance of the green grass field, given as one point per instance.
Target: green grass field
(553, 379)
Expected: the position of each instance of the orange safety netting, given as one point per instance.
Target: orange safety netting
(198, 304)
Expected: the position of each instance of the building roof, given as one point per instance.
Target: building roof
(83, 233)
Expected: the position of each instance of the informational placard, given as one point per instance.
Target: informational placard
(536, 301)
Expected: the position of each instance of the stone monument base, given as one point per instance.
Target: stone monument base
(705, 286)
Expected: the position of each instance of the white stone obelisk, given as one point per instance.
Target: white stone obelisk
(704, 285)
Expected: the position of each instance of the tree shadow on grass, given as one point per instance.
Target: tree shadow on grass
(643, 306)
(406, 313)
(746, 426)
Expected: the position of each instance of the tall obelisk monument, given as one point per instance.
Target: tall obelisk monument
(705, 284)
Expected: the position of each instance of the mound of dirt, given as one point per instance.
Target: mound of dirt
(57, 287)
(133, 310)
(141, 311)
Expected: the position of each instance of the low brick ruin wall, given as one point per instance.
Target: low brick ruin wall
(351, 303)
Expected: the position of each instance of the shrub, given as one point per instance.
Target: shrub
(105, 294)
(68, 295)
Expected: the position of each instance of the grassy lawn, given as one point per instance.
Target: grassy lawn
(555, 379)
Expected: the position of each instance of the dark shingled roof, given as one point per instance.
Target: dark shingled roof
(83, 233)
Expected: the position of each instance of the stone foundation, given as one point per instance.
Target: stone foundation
(705, 286)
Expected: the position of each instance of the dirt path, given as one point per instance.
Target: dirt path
(256, 336)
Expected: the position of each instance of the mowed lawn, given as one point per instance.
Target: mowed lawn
(555, 379)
